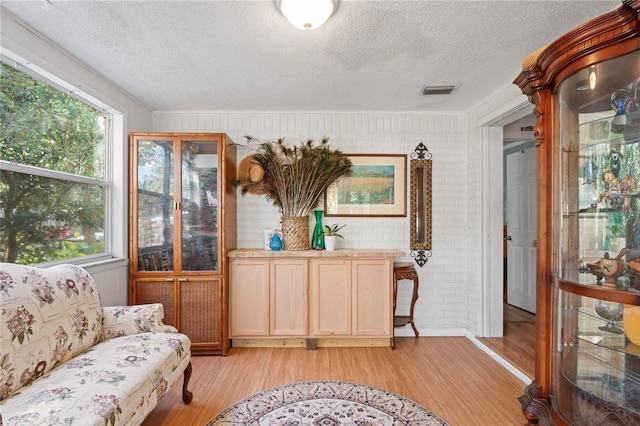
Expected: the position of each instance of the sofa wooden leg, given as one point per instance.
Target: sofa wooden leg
(186, 395)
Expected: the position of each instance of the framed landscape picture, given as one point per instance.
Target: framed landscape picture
(377, 187)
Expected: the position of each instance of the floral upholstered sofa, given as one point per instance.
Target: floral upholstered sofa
(66, 360)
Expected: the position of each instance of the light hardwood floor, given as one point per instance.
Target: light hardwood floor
(448, 375)
(518, 344)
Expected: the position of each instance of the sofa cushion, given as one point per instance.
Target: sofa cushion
(47, 317)
(117, 382)
(126, 320)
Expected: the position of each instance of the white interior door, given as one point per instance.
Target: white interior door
(521, 229)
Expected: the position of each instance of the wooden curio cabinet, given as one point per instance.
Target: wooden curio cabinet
(182, 223)
(586, 91)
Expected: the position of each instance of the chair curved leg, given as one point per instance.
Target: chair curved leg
(186, 395)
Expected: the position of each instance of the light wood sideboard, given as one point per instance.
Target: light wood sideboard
(311, 298)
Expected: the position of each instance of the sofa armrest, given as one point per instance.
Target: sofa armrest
(136, 319)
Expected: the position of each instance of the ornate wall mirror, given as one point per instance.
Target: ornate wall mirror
(420, 243)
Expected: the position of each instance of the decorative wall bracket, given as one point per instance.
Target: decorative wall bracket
(420, 243)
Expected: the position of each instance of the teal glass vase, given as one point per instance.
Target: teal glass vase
(276, 243)
(317, 241)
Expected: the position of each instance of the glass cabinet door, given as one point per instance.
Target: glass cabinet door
(599, 127)
(199, 205)
(596, 364)
(598, 368)
(177, 205)
(155, 214)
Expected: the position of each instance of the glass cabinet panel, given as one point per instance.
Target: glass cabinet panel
(177, 205)
(199, 206)
(155, 205)
(596, 364)
(599, 120)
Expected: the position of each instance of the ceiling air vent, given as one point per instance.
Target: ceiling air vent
(439, 90)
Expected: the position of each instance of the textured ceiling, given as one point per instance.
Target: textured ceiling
(244, 55)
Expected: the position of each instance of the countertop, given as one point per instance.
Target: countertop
(252, 252)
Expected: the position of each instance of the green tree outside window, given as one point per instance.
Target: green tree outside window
(48, 216)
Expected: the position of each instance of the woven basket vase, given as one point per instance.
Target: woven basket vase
(295, 233)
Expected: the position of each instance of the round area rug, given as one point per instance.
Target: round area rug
(325, 403)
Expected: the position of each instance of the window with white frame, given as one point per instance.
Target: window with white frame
(55, 178)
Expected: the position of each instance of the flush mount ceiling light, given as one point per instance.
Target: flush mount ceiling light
(307, 14)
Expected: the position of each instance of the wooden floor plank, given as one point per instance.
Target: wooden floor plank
(518, 344)
(448, 375)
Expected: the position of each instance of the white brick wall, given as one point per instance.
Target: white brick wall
(445, 279)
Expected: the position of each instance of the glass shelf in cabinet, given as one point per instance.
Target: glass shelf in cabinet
(601, 131)
(605, 379)
(596, 330)
(601, 212)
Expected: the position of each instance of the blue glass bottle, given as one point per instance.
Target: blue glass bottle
(276, 243)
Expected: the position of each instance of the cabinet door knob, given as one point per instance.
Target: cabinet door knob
(534, 243)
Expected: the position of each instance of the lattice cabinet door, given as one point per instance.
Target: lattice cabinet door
(201, 316)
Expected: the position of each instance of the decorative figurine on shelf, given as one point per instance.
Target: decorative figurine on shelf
(612, 189)
(619, 100)
(618, 191)
(629, 186)
(594, 268)
(611, 311)
(626, 104)
(610, 269)
(615, 158)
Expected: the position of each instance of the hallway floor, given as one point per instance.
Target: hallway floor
(518, 344)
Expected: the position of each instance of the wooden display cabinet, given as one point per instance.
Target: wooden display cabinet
(585, 87)
(182, 223)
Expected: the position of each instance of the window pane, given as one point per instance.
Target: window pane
(44, 127)
(49, 216)
(44, 219)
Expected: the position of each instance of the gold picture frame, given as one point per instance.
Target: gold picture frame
(377, 187)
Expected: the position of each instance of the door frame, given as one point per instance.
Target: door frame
(492, 272)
